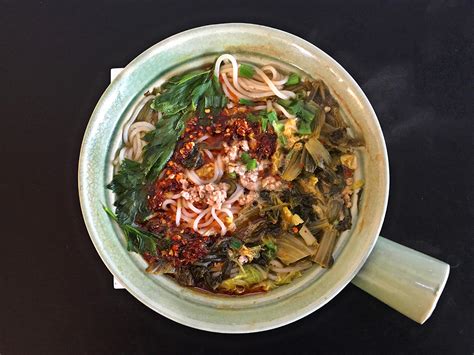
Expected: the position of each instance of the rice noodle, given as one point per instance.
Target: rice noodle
(186, 219)
(143, 101)
(208, 222)
(208, 153)
(218, 172)
(191, 175)
(283, 110)
(258, 87)
(133, 133)
(178, 213)
(192, 208)
(202, 139)
(227, 212)
(167, 202)
(259, 108)
(184, 212)
(198, 218)
(239, 190)
(217, 219)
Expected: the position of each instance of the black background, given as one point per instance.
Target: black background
(414, 61)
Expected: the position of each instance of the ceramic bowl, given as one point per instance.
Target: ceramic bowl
(196, 309)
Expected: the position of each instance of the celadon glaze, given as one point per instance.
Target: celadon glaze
(403, 278)
(227, 314)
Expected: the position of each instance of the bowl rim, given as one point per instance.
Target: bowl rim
(341, 283)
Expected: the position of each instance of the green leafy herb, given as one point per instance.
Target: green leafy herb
(246, 71)
(233, 175)
(305, 111)
(253, 118)
(293, 79)
(304, 128)
(128, 185)
(264, 123)
(182, 97)
(278, 127)
(246, 102)
(137, 240)
(250, 164)
(235, 243)
(270, 249)
(161, 143)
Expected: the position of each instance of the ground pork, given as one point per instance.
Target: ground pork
(212, 194)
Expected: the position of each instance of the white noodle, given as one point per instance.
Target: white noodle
(219, 222)
(208, 153)
(283, 110)
(235, 196)
(191, 175)
(202, 139)
(167, 202)
(208, 222)
(187, 219)
(235, 91)
(184, 212)
(229, 96)
(194, 209)
(143, 101)
(259, 108)
(218, 172)
(198, 218)
(178, 213)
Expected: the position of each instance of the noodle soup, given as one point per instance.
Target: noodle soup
(235, 178)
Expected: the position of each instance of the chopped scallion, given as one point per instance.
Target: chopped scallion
(293, 79)
(246, 71)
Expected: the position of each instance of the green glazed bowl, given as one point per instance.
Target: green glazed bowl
(226, 314)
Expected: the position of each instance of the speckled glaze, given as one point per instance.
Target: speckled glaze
(216, 313)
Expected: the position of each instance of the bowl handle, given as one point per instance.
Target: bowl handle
(404, 279)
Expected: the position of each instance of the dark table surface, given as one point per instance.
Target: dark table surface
(414, 61)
